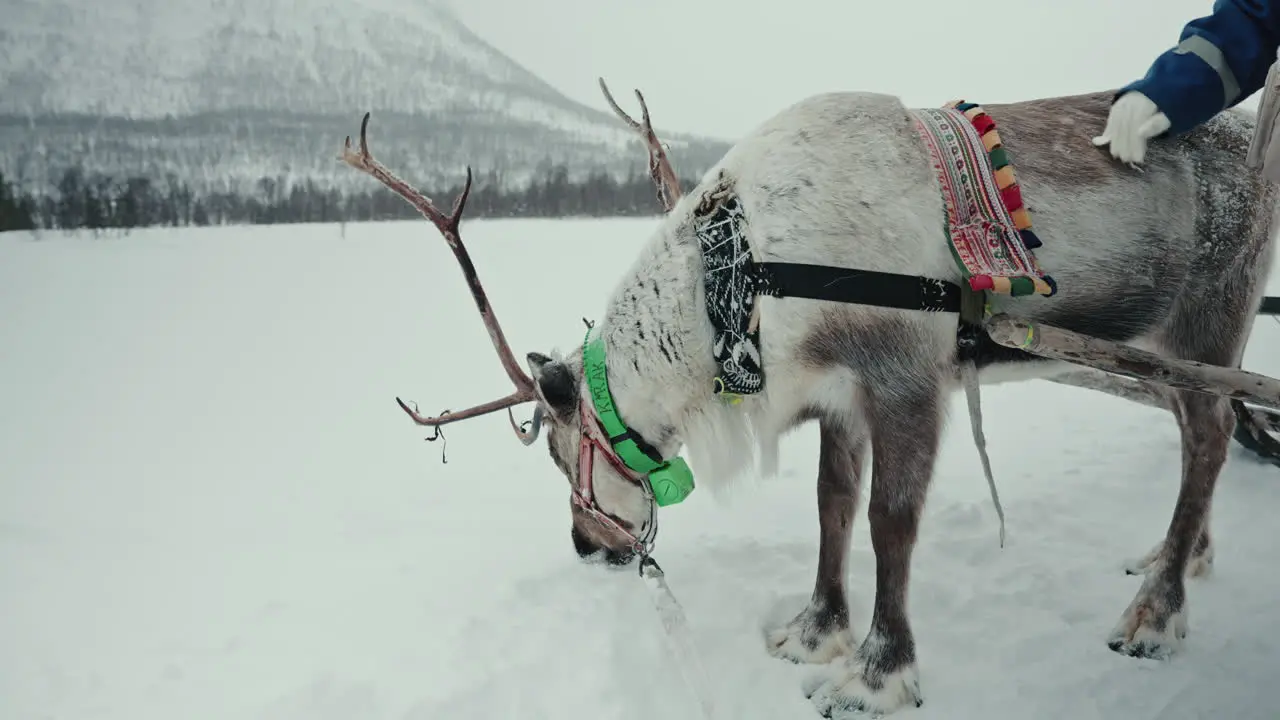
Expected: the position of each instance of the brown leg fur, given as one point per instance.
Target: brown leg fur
(820, 632)
(905, 431)
(1201, 559)
(1155, 622)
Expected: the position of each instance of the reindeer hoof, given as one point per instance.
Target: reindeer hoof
(816, 635)
(854, 690)
(1155, 623)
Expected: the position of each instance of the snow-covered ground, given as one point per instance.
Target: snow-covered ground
(212, 509)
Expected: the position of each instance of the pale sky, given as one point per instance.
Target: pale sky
(721, 67)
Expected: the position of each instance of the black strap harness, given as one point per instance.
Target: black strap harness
(733, 280)
(881, 289)
(861, 287)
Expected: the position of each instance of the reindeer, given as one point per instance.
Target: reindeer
(1160, 272)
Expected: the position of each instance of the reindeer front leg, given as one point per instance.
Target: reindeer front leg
(820, 633)
(881, 675)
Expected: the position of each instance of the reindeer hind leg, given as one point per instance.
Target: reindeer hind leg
(1155, 622)
(1212, 332)
(1192, 417)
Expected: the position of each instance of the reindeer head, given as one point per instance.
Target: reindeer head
(612, 474)
(611, 504)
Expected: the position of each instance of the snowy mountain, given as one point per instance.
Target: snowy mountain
(229, 91)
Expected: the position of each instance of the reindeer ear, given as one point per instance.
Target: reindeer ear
(555, 382)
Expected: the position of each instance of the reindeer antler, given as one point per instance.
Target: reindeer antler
(448, 226)
(659, 164)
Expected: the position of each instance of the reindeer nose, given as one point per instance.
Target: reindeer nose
(581, 543)
(619, 557)
(586, 548)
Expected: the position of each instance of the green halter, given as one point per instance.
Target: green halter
(672, 481)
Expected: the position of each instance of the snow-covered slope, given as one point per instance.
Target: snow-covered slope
(240, 67)
(151, 58)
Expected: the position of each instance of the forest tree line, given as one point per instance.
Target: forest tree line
(100, 201)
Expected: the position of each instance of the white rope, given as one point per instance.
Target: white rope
(679, 639)
(969, 373)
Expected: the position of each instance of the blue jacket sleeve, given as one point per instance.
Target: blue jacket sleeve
(1221, 59)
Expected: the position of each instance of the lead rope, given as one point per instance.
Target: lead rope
(678, 635)
(674, 624)
(973, 310)
(970, 374)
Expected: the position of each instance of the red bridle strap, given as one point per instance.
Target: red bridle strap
(593, 440)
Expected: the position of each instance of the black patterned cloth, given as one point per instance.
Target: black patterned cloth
(731, 283)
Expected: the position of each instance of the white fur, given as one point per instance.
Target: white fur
(892, 224)
(842, 690)
(1199, 565)
(1134, 633)
(789, 642)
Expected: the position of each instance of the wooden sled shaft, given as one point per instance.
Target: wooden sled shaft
(1059, 344)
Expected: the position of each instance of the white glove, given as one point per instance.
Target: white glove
(1133, 119)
